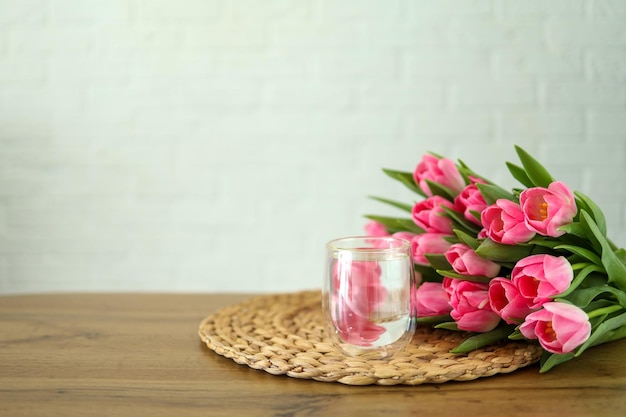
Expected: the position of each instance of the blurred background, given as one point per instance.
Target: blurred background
(216, 145)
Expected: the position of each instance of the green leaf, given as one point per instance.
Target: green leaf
(427, 273)
(603, 332)
(460, 221)
(539, 176)
(476, 215)
(592, 208)
(588, 233)
(484, 339)
(467, 172)
(576, 229)
(621, 255)
(516, 335)
(585, 253)
(468, 239)
(544, 242)
(550, 360)
(497, 252)
(612, 335)
(405, 178)
(582, 297)
(441, 190)
(615, 269)
(402, 206)
(492, 193)
(519, 174)
(437, 261)
(433, 320)
(450, 325)
(580, 277)
(396, 224)
(453, 274)
(599, 310)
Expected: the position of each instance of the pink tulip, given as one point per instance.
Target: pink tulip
(547, 209)
(470, 305)
(541, 277)
(560, 327)
(359, 285)
(470, 199)
(428, 243)
(466, 262)
(440, 170)
(355, 328)
(504, 222)
(506, 300)
(430, 215)
(404, 235)
(374, 228)
(430, 299)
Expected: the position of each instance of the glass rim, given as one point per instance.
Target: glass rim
(404, 244)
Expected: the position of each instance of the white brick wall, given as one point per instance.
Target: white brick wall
(216, 145)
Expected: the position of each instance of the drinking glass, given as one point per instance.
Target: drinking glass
(367, 295)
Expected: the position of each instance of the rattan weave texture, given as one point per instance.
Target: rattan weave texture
(283, 334)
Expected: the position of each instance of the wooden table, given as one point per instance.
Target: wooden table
(139, 355)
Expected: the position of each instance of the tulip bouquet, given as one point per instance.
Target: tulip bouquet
(531, 263)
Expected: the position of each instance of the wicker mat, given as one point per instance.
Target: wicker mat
(283, 334)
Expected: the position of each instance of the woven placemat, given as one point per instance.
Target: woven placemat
(283, 334)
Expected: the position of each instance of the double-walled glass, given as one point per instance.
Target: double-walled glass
(367, 295)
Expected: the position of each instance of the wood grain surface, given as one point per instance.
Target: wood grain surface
(139, 355)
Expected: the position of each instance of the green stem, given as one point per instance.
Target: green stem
(603, 311)
(580, 265)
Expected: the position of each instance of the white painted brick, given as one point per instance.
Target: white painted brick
(473, 93)
(63, 40)
(516, 62)
(40, 99)
(455, 124)
(122, 40)
(596, 32)
(144, 144)
(458, 62)
(544, 124)
(227, 34)
(540, 7)
(18, 135)
(383, 9)
(392, 97)
(270, 10)
(30, 69)
(608, 8)
(386, 34)
(585, 94)
(242, 99)
(448, 8)
(91, 11)
(161, 11)
(4, 42)
(295, 97)
(607, 122)
(22, 12)
(607, 64)
(588, 156)
(488, 32)
(4, 270)
(315, 35)
(173, 66)
(86, 66)
(252, 63)
(357, 124)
